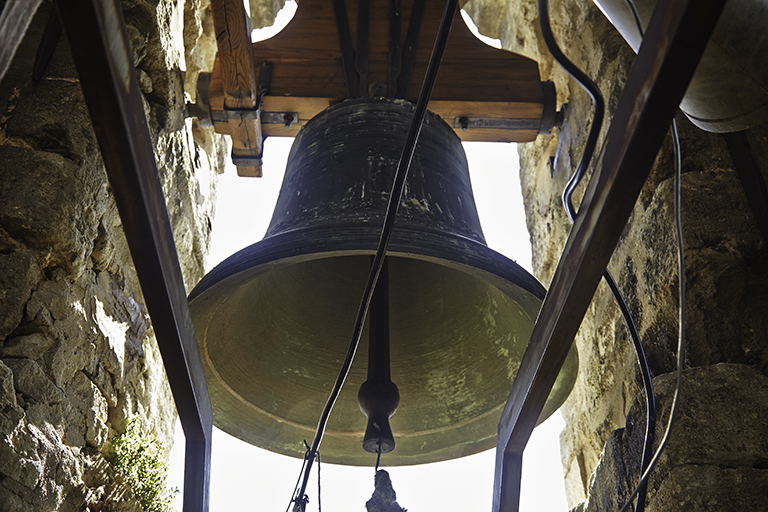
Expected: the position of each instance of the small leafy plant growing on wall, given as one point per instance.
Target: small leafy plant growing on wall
(139, 459)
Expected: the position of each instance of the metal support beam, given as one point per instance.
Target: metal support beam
(750, 177)
(677, 35)
(99, 43)
(15, 18)
(347, 50)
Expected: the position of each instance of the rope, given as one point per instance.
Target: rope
(319, 505)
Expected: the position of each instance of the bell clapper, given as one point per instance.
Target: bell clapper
(378, 456)
(378, 396)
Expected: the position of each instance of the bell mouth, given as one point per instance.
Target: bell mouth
(274, 321)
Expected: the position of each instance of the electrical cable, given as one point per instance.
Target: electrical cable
(636, 17)
(650, 396)
(319, 503)
(681, 316)
(597, 100)
(642, 485)
(386, 234)
(298, 480)
(570, 187)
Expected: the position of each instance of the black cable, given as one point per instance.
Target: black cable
(386, 234)
(681, 317)
(319, 503)
(650, 424)
(570, 187)
(597, 99)
(296, 487)
(642, 485)
(636, 17)
(650, 396)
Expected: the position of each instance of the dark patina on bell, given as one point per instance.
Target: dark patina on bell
(274, 320)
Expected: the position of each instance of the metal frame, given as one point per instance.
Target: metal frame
(676, 37)
(99, 43)
(751, 179)
(675, 40)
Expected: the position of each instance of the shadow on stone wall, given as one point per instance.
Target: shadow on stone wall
(77, 351)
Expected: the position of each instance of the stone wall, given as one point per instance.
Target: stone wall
(77, 353)
(716, 453)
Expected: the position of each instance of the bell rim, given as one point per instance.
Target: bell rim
(329, 240)
(447, 249)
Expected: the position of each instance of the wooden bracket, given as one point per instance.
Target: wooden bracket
(237, 74)
(475, 80)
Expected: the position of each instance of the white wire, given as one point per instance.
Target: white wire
(681, 315)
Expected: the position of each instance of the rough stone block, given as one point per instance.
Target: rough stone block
(87, 398)
(10, 500)
(19, 275)
(32, 346)
(46, 206)
(695, 488)
(52, 118)
(723, 417)
(97, 432)
(84, 395)
(721, 424)
(7, 391)
(56, 307)
(31, 381)
(19, 459)
(609, 487)
(10, 412)
(63, 252)
(103, 380)
(575, 479)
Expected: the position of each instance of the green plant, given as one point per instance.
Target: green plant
(139, 459)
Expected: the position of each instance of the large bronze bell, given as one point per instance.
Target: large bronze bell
(274, 320)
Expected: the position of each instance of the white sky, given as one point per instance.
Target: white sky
(246, 478)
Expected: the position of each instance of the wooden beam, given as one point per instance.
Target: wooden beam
(238, 76)
(98, 39)
(475, 79)
(677, 35)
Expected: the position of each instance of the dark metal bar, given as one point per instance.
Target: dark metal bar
(751, 178)
(398, 186)
(15, 18)
(677, 35)
(98, 39)
(361, 53)
(47, 46)
(409, 48)
(378, 328)
(510, 467)
(347, 50)
(395, 49)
